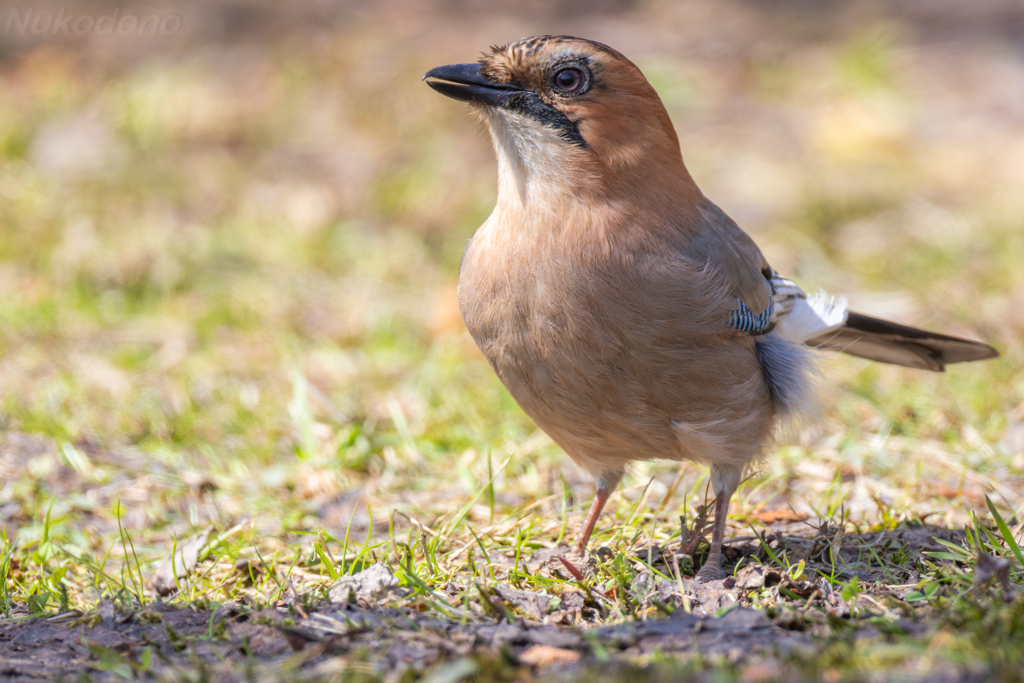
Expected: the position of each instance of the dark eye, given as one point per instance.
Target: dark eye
(570, 80)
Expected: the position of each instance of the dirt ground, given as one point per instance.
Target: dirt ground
(367, 625)
(228, 643)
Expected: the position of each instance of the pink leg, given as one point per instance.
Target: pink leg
(596, 507)
(712, 569)
(724, 480)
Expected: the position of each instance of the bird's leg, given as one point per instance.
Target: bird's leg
(712, 568)
(600, 498)
(724, 480)
(606, 483)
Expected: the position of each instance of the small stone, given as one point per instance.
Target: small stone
(366, 585)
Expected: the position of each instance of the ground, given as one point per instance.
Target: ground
(228, 334)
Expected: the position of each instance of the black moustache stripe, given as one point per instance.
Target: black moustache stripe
(531, 105)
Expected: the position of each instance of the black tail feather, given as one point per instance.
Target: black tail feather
(889, 342)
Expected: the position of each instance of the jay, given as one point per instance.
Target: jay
(626, 313)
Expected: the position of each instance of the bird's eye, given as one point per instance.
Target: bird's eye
(570, 80)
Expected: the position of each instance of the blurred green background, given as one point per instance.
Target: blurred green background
(228, 253)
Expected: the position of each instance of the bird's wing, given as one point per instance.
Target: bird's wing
(799, 317)
(737, 260)
(766, 302)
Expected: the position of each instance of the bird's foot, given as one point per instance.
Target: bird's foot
(573, 564)
(709, 572)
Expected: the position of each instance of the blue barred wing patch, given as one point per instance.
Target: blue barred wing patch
(744, 320)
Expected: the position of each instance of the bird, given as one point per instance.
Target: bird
(624, 311)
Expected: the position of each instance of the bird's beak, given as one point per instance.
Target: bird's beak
(465, 83)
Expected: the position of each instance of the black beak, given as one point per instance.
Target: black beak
(465, 83)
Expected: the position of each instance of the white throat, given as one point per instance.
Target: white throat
(532, 157)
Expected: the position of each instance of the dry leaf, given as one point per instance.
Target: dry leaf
(545, 655)
(773, 516)
(989, 568)
(182, 560)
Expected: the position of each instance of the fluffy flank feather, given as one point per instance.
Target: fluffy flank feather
(787, 368)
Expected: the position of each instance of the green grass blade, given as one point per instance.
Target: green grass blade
(1004, 530)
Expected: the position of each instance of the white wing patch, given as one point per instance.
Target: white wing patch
(799, 317)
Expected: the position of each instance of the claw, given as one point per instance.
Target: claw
(571, 567)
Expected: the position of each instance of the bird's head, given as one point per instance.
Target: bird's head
(570, 112)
